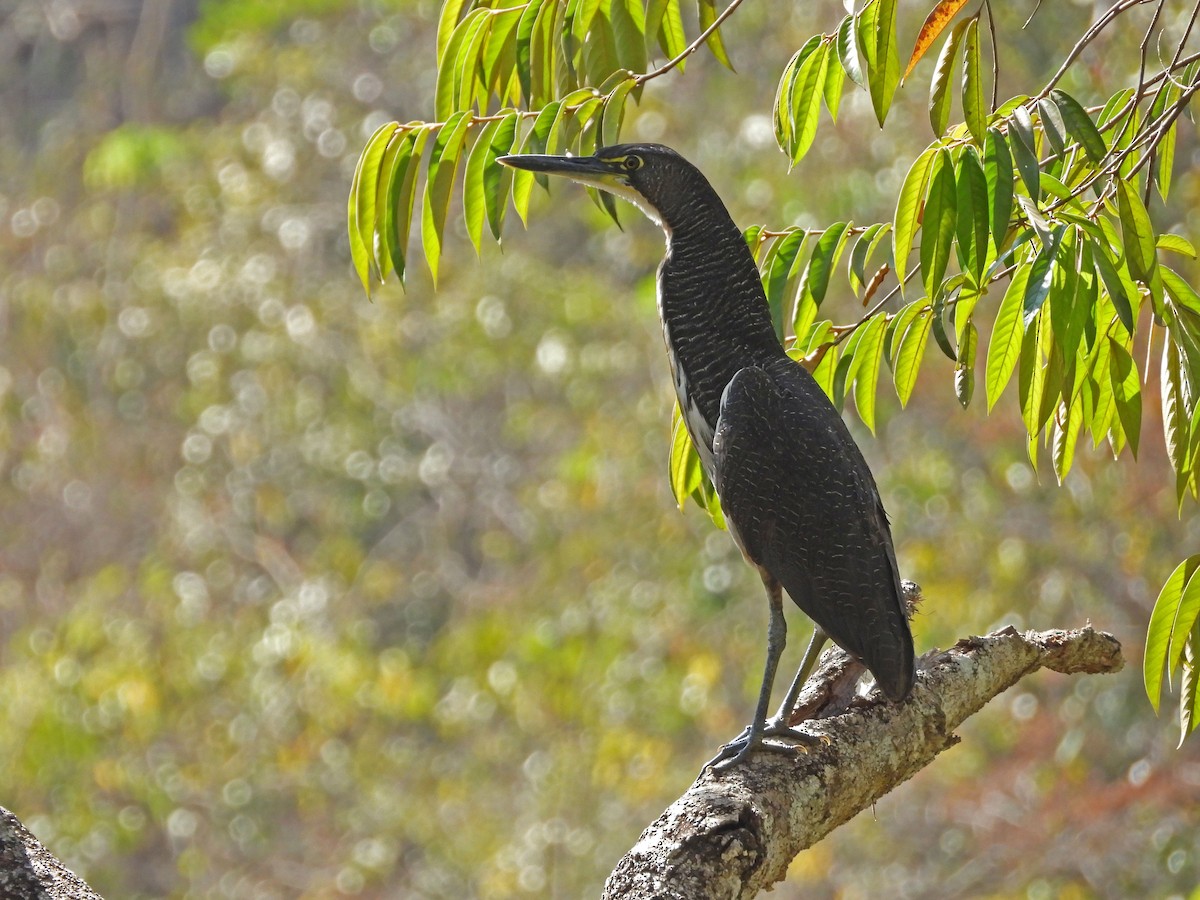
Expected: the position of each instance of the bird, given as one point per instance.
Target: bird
(798, 497)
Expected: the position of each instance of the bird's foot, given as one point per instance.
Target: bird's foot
(749, 741)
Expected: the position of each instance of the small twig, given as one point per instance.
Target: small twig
(691, 48)
(1088, 36)
(987, 4)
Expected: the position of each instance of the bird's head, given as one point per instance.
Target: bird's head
(651, 176)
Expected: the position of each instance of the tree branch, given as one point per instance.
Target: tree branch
(734, 833)
(30, 872)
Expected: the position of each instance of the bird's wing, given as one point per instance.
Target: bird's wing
(803, 506)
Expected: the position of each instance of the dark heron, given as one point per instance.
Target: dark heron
(797, 494)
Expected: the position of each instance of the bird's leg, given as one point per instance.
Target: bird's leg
(736, 750)
(781, 723)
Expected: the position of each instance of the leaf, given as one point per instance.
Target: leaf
(628, 21)
(778, 272)
(497, 178)
(835, 79)
(684, 467)
(868, 358)
(614, 112)
(443, 167)
(909, 354)
(1127, 392)
(1027, 161)
(1136, 231)
(974, 110)
(997, 167)
(937, 230)
(671, 36)
(447, 21)
(449, 71)
(1174, 411)
(1176, 244)
(1053, 126)
(1080, 125)
(401, 194)
(708, 15)
(1116, 287)
(524, 45)
(824, 258)
(972, 218)
(861, 255)
(912, 192)
(847, 45)
(1161, 630)
(806, 101)
(964, 371)
(1005, 345)
(1189, 686)
(877, 35)
(361, 209)
(473, 186)
(1166, 163)
(935, 23)
(783, 94)
(939, 85)
(1066, 436)
(467, 63)
(1041, 277)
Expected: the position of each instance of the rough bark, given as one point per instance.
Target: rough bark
(735, 832)
(28, 871)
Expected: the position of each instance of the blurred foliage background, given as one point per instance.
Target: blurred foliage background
(307, 596)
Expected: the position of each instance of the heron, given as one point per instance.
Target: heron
(798, 497)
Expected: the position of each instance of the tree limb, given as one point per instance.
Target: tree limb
(28, 871)
(734, 833)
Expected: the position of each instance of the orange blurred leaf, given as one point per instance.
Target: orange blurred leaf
(935, 23)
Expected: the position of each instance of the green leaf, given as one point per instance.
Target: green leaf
(1004, 347)
(937, 230)
(1161, 631)
(974, 110)
(628, 20)
(868, 357)
(671, 36)
(909, 353)
(1174, 410)
(877, 35)
(524, 44)
(1116, 287)
(847, 46)
(939, 85)
(1176, 244)
(1027, 161)
(401, 194)
(497, 178)
(782, 109)
(1103, 394)
(835, 80)
(1053, 126)
(467, 66)
(443, 167)
(447, 22)
(1166, 163)
(708, 15)
(1189, 686)
(972, 219)
(998, 168)
(964, 370)
(908, 206)
(473, 186)
(1041, 277)
(1080, 125)
(361, 209)
(1066, 436)
(449, 71)
(824, 259)
(806, 101)
(1136, 232)
(1127, 392)
(779, 269)
(684, 463)
(614, 112)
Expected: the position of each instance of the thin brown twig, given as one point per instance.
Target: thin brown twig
(1088, 36)
(691, 48)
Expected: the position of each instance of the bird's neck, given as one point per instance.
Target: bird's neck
(714, 313)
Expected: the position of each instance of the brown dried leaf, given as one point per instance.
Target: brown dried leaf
(935, 23)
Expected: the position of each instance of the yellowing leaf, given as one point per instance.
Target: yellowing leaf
(937, 20)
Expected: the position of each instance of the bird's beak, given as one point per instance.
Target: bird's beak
(588, 170)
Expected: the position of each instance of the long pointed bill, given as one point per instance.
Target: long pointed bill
(589, 170)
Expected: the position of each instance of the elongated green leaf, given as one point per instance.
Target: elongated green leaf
(909, 353)
(939, 85)
(450, 71)
(1066, 436)
(401, 194)
(498, 60)
(1005, 345)
(806, 101)
(1189, 685)
(868, 358)
(1102, 390)
(447, 22)
(1162, 626)
(1185, 620)
(716, 45)
(825, 258)
(908, 206)
(684, 464)
(524, 43)
(497, 178)
(782, 109)
(972, 217)
(361, 210)
(671, 35)
(1136, 231)
(974, 110)
(473, 183)
(1176, 244)
(468, 67)
(1127, 392)
(937, 229)
(1041, 277)
(997, 167)
(964, 370)
(779, 270)
(1027, 162)
(935, 23)
(835, 80)
(443, 167)
(1053, 126)
(1080, 125)
(1174, 411)
(1113, 282)
(847, 45)
(883, 61)
(614, 111)
(628, 20)
(1166, 163)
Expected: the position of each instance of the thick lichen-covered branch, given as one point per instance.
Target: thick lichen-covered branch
(735, 832)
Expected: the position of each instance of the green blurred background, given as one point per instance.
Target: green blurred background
(303, 595)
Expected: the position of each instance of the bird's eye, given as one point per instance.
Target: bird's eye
(632, 163)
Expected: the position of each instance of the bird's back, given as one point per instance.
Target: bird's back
(804, 507)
